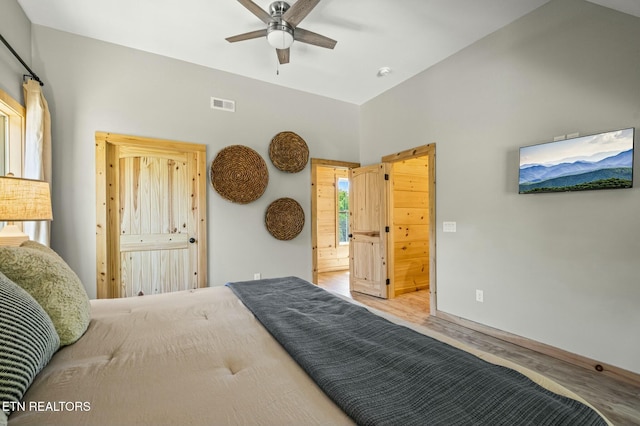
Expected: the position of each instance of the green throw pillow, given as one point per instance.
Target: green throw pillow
(37, 246)
(53, 284)
(28, 340)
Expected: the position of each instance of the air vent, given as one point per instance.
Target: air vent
(223, 104)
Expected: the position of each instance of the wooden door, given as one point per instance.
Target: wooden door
(155, 217)
(368, 230)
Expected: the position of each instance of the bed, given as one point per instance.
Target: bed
(265, 353)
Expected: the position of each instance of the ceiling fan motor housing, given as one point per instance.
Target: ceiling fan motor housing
(278, 8)
(279, 32)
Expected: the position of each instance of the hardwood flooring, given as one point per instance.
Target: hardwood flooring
(618, 401)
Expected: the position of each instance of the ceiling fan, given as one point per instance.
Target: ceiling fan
(282, 26)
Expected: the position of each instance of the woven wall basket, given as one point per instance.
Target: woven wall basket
(239, 174)
(284, 219)
(288, 152)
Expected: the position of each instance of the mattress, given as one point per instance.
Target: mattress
(194, 357)
(191, 357)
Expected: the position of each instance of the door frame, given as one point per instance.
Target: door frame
(430, 152)
(108, 205)
(315, 163)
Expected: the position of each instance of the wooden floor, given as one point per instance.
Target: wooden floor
(618, 401)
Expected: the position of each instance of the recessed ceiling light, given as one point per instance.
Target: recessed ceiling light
(384, 71)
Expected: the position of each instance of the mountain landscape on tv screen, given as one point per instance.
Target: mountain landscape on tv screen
(614, 171)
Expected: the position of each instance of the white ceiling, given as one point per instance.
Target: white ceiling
(406, 35)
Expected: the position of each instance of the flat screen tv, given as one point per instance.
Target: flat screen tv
(601, 161)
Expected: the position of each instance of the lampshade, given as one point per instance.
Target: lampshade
(24, 200)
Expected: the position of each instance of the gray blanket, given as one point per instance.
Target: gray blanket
(381, 373)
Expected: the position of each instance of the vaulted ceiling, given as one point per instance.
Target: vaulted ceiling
(407, 36)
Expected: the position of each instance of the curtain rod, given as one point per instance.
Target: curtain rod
(31, 73)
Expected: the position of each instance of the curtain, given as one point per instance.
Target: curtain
(37, 155)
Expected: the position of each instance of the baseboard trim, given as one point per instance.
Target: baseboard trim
(575, 359)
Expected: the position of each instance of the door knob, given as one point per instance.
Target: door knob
(192, 240)
(350, 235)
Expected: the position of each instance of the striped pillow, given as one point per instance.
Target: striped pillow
(28, 340)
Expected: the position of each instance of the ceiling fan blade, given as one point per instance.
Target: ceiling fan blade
(299, 11)
(262, 14)
(283, 56)
(247, 36)
(309, 37)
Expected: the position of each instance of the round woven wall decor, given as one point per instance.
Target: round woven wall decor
(284, 218)
(239, 174)
(288, 152)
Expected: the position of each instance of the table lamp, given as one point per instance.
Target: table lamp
(22, 200)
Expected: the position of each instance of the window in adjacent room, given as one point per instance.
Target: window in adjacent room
(343, 210)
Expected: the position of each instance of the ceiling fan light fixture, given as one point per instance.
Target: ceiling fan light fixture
(280, 35)
(280, 39)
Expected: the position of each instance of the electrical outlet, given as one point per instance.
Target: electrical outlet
(479, 296)
(257, 276)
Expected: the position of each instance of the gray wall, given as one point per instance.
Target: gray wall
(95, 86)
(563, 269)
(15, 27)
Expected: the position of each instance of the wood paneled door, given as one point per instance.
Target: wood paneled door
(151, 199)
(368, 195)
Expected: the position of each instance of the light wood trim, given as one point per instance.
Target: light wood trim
(136, 151)
(433, 302)
(11, 103)
(420, 151)
(113, 223)
(575, 359)
(334, 163)
(107, 228)
(201, 175)
(315, 162)
(391, 239)
(101, 220)
(150, 143)
(314, 222)
(16, 137)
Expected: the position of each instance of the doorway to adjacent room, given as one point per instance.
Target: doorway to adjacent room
(330, 215)
(406, 256)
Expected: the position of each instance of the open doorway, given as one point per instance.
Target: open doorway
(408, 251)
(412, 207)
(329, 216)
(410, 246)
